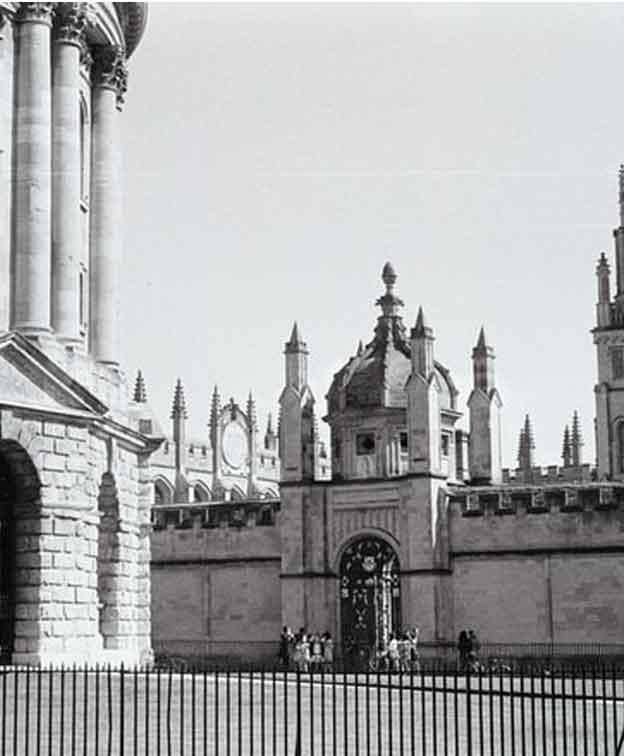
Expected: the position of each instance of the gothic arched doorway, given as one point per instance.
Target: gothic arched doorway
(7, 562)
(370, 596)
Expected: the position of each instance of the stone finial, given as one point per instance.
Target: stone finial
(576, 441)
(389, 303)
(140, 394)
(360, 349)
(566, 453)
(269, 428)
(251, 412)
(178, 410)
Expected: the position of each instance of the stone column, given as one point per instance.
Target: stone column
(6, 161)
(66, 172)
(31, 312)
(109, 77)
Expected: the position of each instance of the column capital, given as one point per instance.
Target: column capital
(35, 13)
(109, 70)
(70, 24)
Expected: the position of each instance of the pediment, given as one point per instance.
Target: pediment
(31, 380)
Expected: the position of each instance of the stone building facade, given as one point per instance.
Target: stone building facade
(75, 480)
(417, 524)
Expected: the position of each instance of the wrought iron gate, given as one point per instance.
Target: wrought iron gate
(370, 599)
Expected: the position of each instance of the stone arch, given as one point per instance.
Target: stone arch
(369, 593)
(164, 492)
(236, 493)
(201, 492)
(108, 565)
(20, 488)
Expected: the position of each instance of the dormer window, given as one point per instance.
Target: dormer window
(365, 443)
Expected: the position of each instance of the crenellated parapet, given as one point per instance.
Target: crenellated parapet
(249, 513)
(534, 499)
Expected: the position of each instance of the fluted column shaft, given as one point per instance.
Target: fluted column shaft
(66, 170)
(33, 162)
(106, 210)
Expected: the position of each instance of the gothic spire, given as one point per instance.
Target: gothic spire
(295, 343)
(178, 409)
(140, 394)
(481, 347)
(420, 328)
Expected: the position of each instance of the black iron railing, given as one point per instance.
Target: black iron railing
(84, 712)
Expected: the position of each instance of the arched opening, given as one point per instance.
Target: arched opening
(236, 494)
(201, 492)
(8, 494)
(370, 598)
(163, 492)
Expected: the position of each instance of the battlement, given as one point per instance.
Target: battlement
(550, 474)
(536, 499)
(246, 513)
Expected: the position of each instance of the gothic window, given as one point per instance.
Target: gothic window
(82, 293)
(365, 443)
(617, 360)
(403, 441)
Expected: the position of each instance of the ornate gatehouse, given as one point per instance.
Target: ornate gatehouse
(370, 596)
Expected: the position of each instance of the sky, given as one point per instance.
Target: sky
(276, 155)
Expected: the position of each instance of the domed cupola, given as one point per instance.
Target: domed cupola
(367, 403)
(376, 375)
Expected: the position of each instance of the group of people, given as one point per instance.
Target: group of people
(305, 652)
(468, 647)
(401, 653)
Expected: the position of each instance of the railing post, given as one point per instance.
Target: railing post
(468, 713)
(298, 715)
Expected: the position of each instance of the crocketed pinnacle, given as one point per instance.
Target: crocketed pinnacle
(295, 343)
(577, 441)
(526, 446)
(566, 453)
(140, 394)
(251, 411)
(179, 405)
(269, 428)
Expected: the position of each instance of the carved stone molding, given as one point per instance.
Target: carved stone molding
(86, 59)
(71, 22)
(35, 13)
(109, 71)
